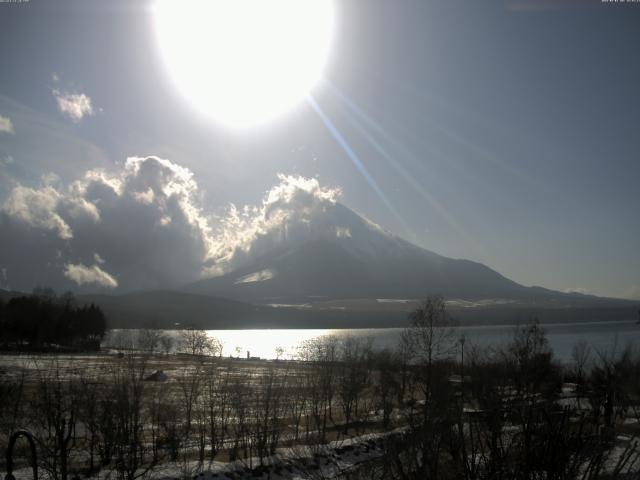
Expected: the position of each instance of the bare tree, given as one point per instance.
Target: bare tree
(167, 343)
(353, 374)
(387, 384)
(128, 392)
(268, 411)
(55, 408)
(430, 337)
(198, 343)
(323, 353)
(155, 406)
(106, 421)
(240, 400)
(149, 339)
(12, 393)
(89, 415)
(217, 399)
(297, 400)
(189, 380)
(580, 354)
(431, 341)
(531, 360)
(610, 381)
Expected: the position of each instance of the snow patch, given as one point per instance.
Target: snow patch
(260, 276)
(343, 232)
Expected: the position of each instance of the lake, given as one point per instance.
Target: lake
(601, 336)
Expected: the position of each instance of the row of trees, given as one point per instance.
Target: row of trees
(455, 411)
(502, 413)
(45, 321)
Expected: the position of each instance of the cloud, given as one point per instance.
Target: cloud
(6, 161)
(144, 223)
(83, 275)
(45, 143)
(144, 218)
(291, 211)
(6, 125)
(294, 211)
(37, 208)
(75, 106)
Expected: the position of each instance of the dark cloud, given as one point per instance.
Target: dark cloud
(143, 227)
(140, 227)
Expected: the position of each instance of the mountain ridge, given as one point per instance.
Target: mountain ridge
(344, 255)
(329, 267)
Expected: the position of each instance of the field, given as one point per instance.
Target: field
(342, 410)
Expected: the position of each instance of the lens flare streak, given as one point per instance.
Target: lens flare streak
(339, 138)
(351, 112)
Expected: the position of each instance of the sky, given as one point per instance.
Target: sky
(504, 132)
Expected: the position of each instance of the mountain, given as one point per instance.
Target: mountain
(345, 256)
(325, 266)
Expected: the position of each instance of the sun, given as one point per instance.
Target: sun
(244, 62)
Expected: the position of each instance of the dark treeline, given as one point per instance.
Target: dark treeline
(434, 408)
(44, 321)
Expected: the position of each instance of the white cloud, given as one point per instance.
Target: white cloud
(37, 208)
(293, 212)
(144, 218)
(78, 207)
(74, 105)
(50, 207)
(145, 197)
(6, 125)
(43, 143)
(287, 212)
(82, 275)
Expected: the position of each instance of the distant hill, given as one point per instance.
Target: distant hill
(170, 309)
(344, 271)
(348, 272)
(173, 309)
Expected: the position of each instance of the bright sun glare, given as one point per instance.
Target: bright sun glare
(245, 62)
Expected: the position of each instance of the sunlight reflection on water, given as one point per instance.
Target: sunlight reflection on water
(602, 336)
(270, 343)
(286, 343)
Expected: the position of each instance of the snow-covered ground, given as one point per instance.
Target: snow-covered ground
(293, 463)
